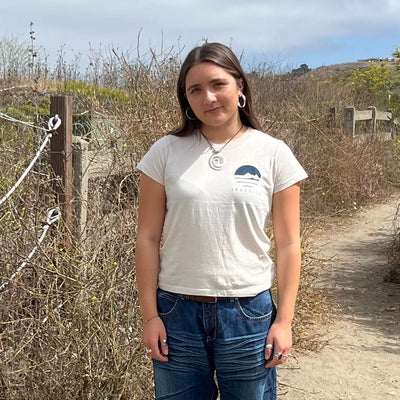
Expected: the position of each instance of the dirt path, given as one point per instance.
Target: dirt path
(362, 358)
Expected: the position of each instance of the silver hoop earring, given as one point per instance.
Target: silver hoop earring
(188, 116)
(243, 97)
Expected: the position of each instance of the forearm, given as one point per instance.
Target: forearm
(286, 221)
(147, 269)
(288, 274)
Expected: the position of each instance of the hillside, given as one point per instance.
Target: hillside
(342, 68)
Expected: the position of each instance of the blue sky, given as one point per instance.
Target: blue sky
(281, 32)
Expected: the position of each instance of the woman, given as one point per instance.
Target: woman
(203, 270)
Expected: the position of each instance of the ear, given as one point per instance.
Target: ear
(240, 86)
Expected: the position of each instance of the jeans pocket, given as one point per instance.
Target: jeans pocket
(257, 308)
(167, 302)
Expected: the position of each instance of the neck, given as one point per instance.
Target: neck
(223, 134)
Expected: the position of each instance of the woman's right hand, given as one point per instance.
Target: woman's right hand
(155, 339)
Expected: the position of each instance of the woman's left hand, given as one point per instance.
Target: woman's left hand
(280, 337)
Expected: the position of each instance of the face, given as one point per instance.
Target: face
(213, 94)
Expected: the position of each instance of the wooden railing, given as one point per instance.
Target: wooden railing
(372, 116)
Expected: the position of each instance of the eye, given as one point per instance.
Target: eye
(219, 84)
(194, 90)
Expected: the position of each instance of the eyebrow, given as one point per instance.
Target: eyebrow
(192, 87)
(212, 81)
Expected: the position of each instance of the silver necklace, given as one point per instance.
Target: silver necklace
(216, 161)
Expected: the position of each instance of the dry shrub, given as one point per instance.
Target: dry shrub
(393, 274)
(314, 310)
(70, 326)
(70, 323)
(344, 173)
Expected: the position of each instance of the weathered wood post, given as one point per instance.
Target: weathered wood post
(391, 124)
(61, 156)
(373, 119)
(349, 121)
(332, 117)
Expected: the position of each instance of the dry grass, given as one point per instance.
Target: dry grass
(393, 275)
(69, 324)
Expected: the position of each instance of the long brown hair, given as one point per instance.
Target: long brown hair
(224, 57)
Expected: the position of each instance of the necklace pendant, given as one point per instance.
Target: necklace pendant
(216, 162)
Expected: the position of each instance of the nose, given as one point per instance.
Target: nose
(209, 97)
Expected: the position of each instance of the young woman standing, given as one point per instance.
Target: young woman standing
(202, 255)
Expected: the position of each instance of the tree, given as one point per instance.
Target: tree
(302, 70)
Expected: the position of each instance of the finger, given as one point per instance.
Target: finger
(268, 350)
(154, 352)
(157, 355)
(164, 346)
(272, 362)
(277, 359)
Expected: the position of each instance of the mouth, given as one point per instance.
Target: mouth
(214, 110)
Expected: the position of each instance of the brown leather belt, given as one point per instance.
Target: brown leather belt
(203, 299)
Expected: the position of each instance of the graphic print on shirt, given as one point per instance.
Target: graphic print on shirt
(247, 179)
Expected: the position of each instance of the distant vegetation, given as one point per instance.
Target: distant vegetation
(302, 70)
(69, 324)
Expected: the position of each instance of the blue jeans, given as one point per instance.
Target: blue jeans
(225, 339)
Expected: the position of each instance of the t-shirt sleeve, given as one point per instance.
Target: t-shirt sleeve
(153, 162)
(288, 170)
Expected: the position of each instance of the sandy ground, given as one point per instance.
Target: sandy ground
(361, 360)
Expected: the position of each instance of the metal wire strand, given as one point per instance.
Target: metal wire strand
(53, 124)
(52, 216)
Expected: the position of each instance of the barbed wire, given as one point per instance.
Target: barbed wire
(53, 124)
(52, 216)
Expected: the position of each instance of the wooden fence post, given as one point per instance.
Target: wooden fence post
(332, 117)
(349, 121)
(61, 156)
(373, 119)
(391, 124)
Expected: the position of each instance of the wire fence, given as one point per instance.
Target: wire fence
(54, 214)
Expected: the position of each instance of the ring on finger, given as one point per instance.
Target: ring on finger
(269, 346)
(164, 342)
(279, 356)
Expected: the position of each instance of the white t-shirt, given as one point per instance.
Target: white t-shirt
(214, 240)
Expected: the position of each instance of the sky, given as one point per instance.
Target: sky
(283, 33)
